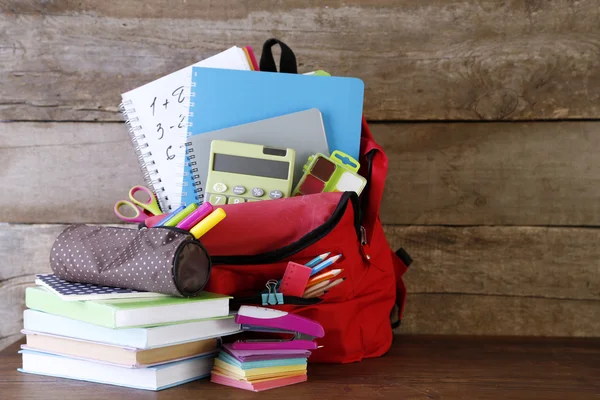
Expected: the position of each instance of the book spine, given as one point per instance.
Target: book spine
(145, 157)
(192, 183)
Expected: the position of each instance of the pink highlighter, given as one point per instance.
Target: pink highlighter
(196, 216)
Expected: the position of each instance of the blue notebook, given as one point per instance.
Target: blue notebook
(223, 98)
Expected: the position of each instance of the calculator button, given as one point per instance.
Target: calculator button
(235, 200)
(252, 200)
(258, 192)
(217, 199)
(219, 187)
(239, 189)
(275, 194)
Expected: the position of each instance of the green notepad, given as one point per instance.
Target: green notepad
(127, 313)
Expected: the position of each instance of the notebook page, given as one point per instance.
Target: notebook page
(158, 112)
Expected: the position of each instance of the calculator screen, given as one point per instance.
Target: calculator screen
(251, 166)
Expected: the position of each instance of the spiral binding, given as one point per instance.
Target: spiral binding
(145, 158)
(190, 170)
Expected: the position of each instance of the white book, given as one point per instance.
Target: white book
(157, 117)
(152, 378)
(139, 338)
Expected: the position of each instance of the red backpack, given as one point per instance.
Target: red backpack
(255, 242)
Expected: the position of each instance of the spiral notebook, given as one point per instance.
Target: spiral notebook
(225, 98)
(156, 115)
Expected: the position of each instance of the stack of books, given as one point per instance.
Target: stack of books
(262, 364)
(148, 343)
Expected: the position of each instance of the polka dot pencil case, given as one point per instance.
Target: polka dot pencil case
(162, 260)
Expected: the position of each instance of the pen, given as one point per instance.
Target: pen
(321, 292)
(168, 217)
(196, 216)
(325, 264)
(323, 277)
(317, 259)
(208, 223)
(181, 215)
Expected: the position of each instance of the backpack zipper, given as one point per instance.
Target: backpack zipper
(365, 249)
(307, 240)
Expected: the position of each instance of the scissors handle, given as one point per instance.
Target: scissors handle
(138, 213)
(151, 205)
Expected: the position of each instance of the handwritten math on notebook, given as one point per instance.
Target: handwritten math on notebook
(157, 116)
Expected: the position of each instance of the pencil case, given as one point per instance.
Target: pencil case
(162, 260)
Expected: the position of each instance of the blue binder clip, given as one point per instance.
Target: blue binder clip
(271, 298)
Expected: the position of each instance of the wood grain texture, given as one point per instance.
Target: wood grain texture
(542, 173)
(451, 314)
(420, 60)
(447, 174)
(529, 262)
(415, 368)
(65, 172)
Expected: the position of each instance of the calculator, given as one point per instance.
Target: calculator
(243, 172)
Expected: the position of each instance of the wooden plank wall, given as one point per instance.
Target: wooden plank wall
(487, 110)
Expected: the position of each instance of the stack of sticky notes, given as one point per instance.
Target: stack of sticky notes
(267, 363)
(134, 339)
(259, 370)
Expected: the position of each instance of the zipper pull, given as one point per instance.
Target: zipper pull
(365, 249)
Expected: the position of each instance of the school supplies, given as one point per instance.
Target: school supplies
(294, 279)
(75, 291)
(157, 260)
(172, 214)
(157, 116)
(196, 216)
(177, 218)
(303, 330)
(325, 264)
(142, 209)
(258, 365)
(323, 277)
(232, 98)
(117, 355)
(317, 259)
(208, 223)
(322, 291)
(338, 173)
(151, 378)
(122, 313)
(152, 221)
(240, 172)
(302, 131)
(140, 338)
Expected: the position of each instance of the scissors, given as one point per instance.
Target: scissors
(141, 209)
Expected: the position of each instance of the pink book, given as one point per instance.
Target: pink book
(257, 386)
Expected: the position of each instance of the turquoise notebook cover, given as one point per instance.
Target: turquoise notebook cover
(222, 98)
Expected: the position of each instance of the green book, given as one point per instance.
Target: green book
(131, 312)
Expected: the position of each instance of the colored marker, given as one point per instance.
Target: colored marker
(152, 221)
(196, 216)
(325, 264)
(208, 223)
(181, 215)
(169, 216)
(323, 277)
(317, 259)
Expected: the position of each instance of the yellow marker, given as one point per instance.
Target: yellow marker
(208, 223)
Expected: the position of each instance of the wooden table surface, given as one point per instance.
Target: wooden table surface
(417, 367)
